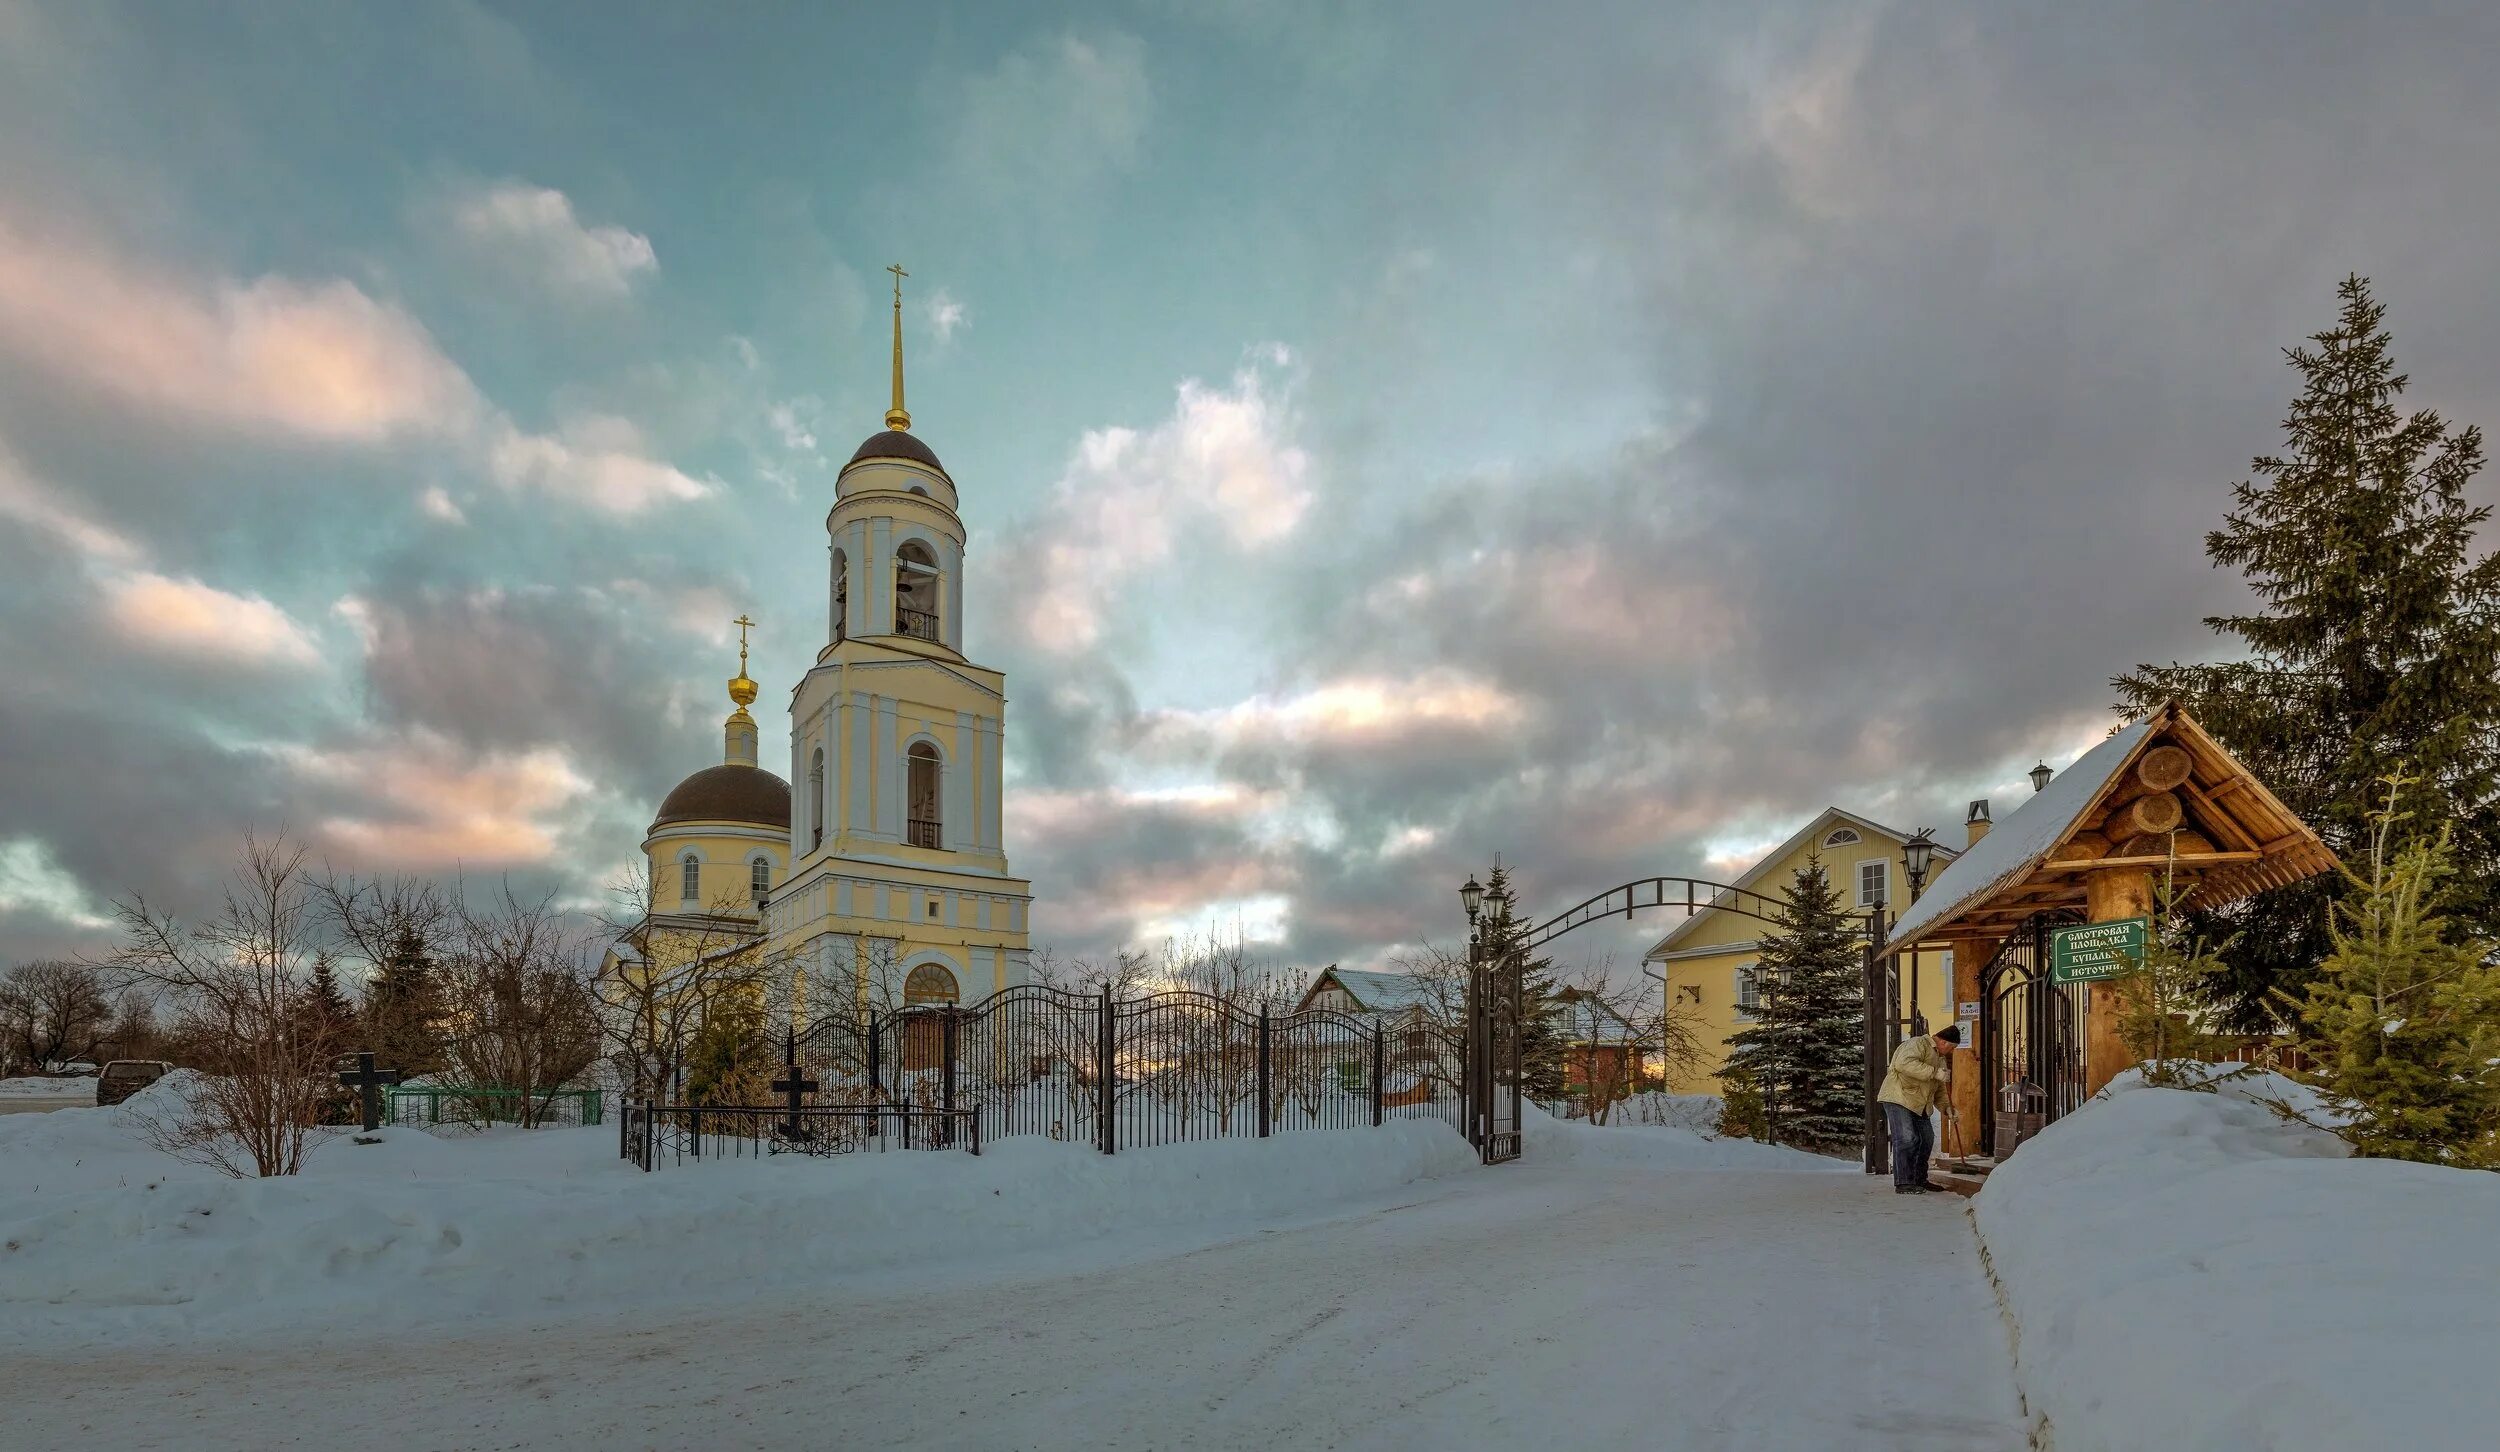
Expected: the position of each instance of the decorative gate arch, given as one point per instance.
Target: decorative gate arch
(1495, 992)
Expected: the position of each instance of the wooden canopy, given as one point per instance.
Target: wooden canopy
(2159, 796)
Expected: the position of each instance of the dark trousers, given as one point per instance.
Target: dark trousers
(1913, 1140)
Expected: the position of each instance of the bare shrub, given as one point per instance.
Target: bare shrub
(667, 972)
(236, 984)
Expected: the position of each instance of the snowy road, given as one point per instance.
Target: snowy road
(1567, 1305)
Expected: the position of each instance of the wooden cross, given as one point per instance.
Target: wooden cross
(794, 1085)
(367, 1081)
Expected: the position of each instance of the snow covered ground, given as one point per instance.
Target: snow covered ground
(39, 1094)
(1357, 1289)
(2190, 1272)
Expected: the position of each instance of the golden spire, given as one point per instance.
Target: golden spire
(898, 417)
(738, 732)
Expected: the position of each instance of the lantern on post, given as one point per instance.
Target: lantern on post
(2040, 777)
(1917, 855)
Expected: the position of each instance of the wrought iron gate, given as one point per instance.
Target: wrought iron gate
(1493, 1041)
(2030, 1046)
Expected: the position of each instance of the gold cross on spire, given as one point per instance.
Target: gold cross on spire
(898, 417)
(741, 689)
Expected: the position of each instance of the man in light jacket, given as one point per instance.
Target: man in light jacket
(1921, 1068)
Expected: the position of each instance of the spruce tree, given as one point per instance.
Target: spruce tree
(2404, 1016)
(1543, 1029)
(1805, 1049)
(2374, 644)
(403, 1012)
(327, 1008)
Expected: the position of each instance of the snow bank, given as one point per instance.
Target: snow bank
(49, 1086)
(2189, 1271)
(104, 1239)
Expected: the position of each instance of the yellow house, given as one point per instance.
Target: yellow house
(1708, 960)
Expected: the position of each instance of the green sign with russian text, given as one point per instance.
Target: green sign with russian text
(2090, 952)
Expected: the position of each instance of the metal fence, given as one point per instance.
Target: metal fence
(656, 1135)
(1181, 1066)
(430, 1106)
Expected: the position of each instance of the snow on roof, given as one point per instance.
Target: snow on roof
(1380, 992)
(1763, 865)
(2018, 844)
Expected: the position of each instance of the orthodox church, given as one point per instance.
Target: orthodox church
(882, 880)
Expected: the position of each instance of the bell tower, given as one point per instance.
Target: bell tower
(899, 867)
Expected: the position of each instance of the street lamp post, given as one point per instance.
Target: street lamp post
(1917, 855)
(1475, 1076)
(2040, 777)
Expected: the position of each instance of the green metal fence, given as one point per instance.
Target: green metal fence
(426, 1106)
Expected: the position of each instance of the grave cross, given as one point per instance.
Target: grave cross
(367, 1081)
(795, 1085)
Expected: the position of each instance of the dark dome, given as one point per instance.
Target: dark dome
(895, 444)
(729, 793)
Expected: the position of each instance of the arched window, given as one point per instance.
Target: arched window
(816, 802)
(759, 879)
(690, 879)
(841, 597)
(915, 591)
(1843, 837)
(924, 796)
(927, 984)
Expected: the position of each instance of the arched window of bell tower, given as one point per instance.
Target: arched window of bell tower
(915, 591)
(816, 803)
(841, 597)
(925, 767)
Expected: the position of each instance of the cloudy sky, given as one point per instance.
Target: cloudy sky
(1601, 435)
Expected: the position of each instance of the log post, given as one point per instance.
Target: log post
(2121, 892)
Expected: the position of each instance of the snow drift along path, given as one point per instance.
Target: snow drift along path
(2192, 1273)
(1620, 1287)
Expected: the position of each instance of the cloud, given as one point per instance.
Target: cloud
(32, 880)
(533, 230)
(1042, 132)
(1225, 457)
(422, 801)
(32, 503)
(595, 459)
(189, 619)
(314, 360)
(436, 503)
(945, 314)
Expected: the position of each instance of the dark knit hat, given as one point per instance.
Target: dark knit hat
(1951, 1033)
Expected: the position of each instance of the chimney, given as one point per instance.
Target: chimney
(1976, 822)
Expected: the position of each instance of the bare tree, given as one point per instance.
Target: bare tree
(52, 1012)
(517, 992)
(236, 984)
(1127, 972)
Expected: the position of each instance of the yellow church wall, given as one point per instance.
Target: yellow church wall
(724, 852)
(1701, 967)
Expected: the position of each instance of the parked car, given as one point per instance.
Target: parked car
(125, 1077)
(75, 1069)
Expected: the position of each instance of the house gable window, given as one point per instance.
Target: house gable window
(1874, 882)
(1843, 837)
